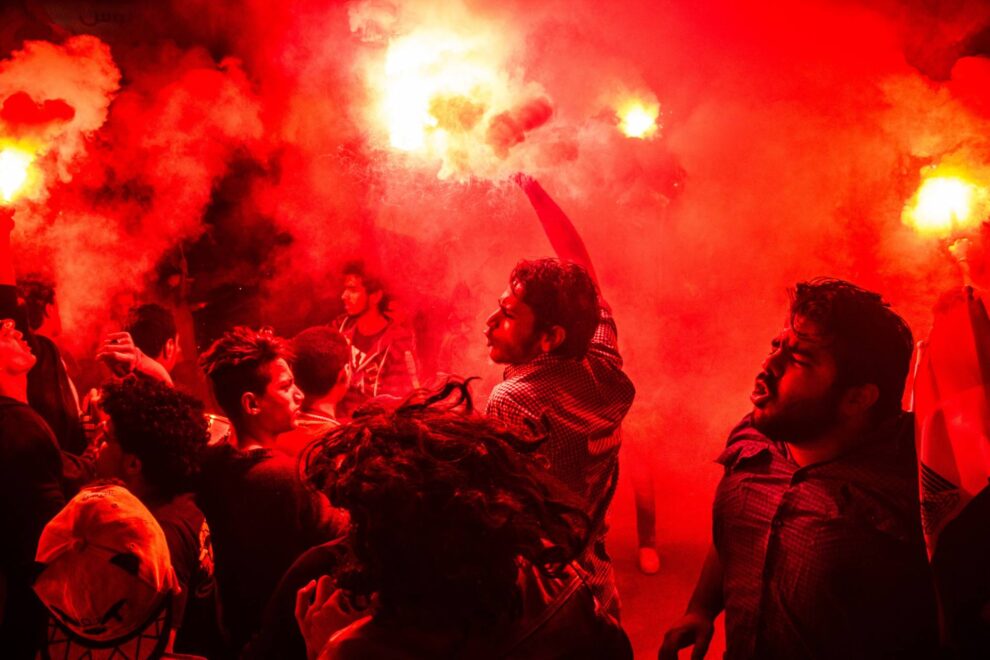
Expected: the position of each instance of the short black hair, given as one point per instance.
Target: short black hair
(371, 281)
(443, 504)
(236, 363)
(151, 326)
(36, 292)
(869, 341)
(320, 354)
(162, 426)
(559, 293)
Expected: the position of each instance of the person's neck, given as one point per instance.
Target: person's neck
(324, 407)
(14, 386)
(143, 491)
(254, 438)
(829, 445)
(371, 322)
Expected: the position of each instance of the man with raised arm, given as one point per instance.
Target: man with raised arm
(563, 379)
(817, 547)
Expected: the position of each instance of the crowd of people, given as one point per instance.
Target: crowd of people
(325, 504)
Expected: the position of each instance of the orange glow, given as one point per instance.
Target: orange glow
(638, 119)
(15, 170)
(945, 204)
(436, 83)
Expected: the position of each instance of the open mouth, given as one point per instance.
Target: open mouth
(761, 393)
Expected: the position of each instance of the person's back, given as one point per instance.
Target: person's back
(30, 494)
(461, 542)
(557, 620)
(261, 518)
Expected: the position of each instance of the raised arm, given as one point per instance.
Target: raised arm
(564, 238)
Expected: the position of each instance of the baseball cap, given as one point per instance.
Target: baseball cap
(105, 575)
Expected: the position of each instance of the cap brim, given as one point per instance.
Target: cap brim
(146, 643)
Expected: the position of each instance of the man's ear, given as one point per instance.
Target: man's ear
(169, 349)
(249, 404)
(858, 399)
(551, 339)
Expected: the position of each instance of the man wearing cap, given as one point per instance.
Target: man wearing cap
(105, 575)
(152, 442)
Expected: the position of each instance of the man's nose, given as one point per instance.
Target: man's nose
(772, 361)
(492, 320)
(297, 394)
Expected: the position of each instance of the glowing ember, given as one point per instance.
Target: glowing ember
(944, 204)
(638, 119)
(15, 167)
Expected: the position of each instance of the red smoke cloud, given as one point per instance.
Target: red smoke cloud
(20, 112)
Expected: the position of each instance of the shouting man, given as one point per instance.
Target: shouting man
(818, 550)
(563, 377)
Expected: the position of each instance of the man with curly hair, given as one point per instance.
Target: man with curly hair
(461, 542)
(563, 378)
(152, 440)
(260, 513)
(817, 548)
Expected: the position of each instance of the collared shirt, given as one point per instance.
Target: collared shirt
(826, 560)
(578, 406)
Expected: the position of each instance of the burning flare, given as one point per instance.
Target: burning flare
(638, 119)
(944, 205)
(15, 170)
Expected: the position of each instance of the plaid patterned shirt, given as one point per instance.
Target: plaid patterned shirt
(578, 405)
(826, 560)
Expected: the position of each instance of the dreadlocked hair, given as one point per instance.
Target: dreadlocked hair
(236, 363)
(445, 506)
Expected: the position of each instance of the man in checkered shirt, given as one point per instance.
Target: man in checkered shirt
(563, 377)
(817, 550)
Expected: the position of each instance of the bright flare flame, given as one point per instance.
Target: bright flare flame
(15, 168)
(944, 204)
(638, 119)
(435, 84)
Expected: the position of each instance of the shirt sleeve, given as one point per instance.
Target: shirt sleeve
(504, 406)
(605, 341)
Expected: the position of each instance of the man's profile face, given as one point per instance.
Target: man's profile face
(354, 296)
(511, 333)
(280, 402)
(795, 397)
(15, 354)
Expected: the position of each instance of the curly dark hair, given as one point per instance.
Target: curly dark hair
(236, 363)
(151, 326)
(870, 342)
(443, 504)
(162, 426)
(560, 293)
(320, 354)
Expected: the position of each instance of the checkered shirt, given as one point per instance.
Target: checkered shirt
(578, 405)
(826, 560)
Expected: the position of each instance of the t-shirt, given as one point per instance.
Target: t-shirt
(191, 549)
(262, 517)
(31, 493)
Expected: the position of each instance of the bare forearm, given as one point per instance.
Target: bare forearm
(707, 597)
(564, 238)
